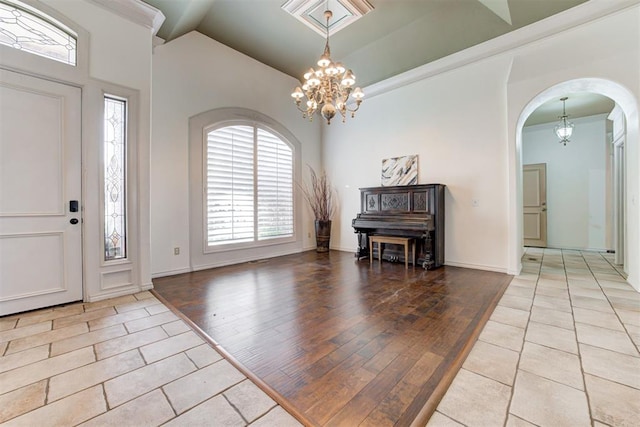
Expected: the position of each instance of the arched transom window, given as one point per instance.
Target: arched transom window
(25, 28)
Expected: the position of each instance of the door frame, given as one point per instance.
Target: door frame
(619, 202)
(101, 280)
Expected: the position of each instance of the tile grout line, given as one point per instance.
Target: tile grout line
(234, 406)
(166, 396)
(575, 329)
(515, 376)
(615, 311)
(624, 326)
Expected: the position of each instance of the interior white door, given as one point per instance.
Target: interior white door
(40, 174)
(534, 192)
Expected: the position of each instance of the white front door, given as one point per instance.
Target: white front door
(40, 176)
(534, 191)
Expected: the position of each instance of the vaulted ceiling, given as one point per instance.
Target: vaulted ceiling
(395, 36)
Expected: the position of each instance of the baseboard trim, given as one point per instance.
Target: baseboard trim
(129, 290)
(146, 286)
(244, 260)
(476, 266)
(170, 272)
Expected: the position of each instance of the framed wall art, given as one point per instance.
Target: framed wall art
(400, 171)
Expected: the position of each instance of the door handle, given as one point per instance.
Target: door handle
(73, 221)
(544, 209)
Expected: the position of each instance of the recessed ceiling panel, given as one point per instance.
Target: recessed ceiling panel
(311, 13)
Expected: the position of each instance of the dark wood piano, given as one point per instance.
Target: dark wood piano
(408, 211)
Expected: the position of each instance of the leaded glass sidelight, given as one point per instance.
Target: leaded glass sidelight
(27, 29)
(114, 150)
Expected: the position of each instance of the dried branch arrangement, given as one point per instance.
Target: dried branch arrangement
(319, 194)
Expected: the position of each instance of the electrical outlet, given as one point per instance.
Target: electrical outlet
(176, 251)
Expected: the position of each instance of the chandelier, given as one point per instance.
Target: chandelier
(328, 88)
(564, 129)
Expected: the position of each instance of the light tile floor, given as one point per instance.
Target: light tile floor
(560, 349)
(126, 361)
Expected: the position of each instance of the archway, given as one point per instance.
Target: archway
(629, 106)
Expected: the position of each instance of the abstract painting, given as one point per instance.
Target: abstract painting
(400, 171)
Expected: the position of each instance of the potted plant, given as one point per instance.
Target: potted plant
(319, 194)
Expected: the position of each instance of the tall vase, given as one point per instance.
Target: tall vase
(323, 235)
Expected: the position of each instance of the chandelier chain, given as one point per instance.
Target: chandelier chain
(329, 88)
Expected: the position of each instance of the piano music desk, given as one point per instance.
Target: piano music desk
(405, 241)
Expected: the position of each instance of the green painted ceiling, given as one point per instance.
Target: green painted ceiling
(396, 36)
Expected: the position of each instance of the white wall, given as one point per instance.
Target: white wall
(576, 181)
(191, 75)
(455, 123)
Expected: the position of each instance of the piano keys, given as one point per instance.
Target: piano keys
(406, 211)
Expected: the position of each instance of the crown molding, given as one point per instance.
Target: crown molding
(576, 16)
(135, 11)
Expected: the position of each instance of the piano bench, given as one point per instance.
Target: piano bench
(405, 241)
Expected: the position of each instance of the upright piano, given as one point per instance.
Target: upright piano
(407, 211)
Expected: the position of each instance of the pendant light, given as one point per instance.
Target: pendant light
(564, 129)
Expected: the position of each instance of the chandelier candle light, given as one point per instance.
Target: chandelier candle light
(564, 129)
(328, 88)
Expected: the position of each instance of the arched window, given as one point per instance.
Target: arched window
(28, 29)
(249, 184)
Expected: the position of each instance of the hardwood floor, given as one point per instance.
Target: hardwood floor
(343, 342)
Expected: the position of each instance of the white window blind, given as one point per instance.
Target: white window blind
(275, 186)
(249, 186)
